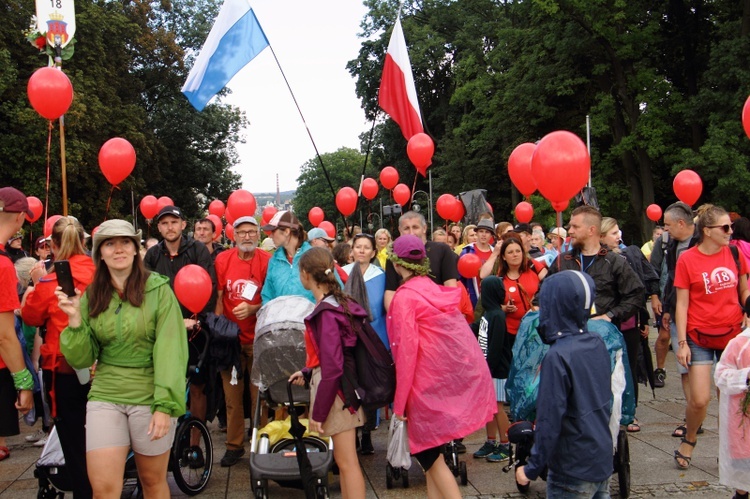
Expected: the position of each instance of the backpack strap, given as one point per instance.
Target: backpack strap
(736, 255)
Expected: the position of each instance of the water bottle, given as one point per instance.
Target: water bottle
(264, 444)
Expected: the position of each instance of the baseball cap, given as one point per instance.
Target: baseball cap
(40, 241)
(115, 228)
(409, 247)
(523, 228)
(486, 224)
(318, 233)
(17, 235)
(245, 220)
(14, 201)
(558, 231)
(169, 210)
(283, 219)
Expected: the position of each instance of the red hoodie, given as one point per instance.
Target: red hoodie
(41, 309)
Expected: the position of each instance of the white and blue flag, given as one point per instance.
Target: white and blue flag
(235, 39)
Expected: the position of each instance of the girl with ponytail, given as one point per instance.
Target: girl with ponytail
(330, 339)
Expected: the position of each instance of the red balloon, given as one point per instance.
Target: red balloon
(420, 149)
(560, 205)
(50, 223)
(402, 194)
(519, 168)
(469, 265)
(242, 203)
(36, 207)
(389, 177)
(653, 212)
(489, 207)
(460, 211)
(687, 186)
(328, 227)
(149, 206)
(192, 285)
(50, 92)
(229, 217)
(447, 206)
(346, 201)
(116, 160)
(229, 232)
(216, 207)
(162, 202)
(370, 188)
(560, 165)
(746, 117)
(524, 212)
(218, 226)
(268, 213)
(315, 216)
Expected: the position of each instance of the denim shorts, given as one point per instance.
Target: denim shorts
(675, 346)
(564, 487)
(702, 356)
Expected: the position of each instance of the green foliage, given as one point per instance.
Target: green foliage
(127, 71)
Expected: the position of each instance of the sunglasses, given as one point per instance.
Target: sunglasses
(726, 227)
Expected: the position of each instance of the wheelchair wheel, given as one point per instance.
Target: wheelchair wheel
(622, 458)
(191, 464)
(462, 473)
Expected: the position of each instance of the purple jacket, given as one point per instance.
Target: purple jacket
(335, 338)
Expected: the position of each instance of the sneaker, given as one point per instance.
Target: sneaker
(460, 447)
(485, 450)
(499, 454)
(660, 376)
(232, 457)
(36, 436)
(365, 447)
(41, 442)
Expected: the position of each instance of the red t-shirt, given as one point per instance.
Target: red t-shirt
(529, 281)
(232, 276)
(712, 281)
(8, 289)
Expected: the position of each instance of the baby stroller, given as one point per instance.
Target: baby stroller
(523, 384)
(278, 352)
(54, 481)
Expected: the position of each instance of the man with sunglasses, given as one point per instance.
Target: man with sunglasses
(678, 222)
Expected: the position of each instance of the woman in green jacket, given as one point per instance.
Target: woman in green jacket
(129, 321)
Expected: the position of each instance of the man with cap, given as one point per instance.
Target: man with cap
(203, 231)
(319, 237)
(171, 254)
(15, 247)
(443, 261)
(524, 233)
(16, 383)
(240, 272)
(41, 248)
(558, 240)
(485, 229)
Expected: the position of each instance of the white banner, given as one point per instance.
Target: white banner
(56, 18)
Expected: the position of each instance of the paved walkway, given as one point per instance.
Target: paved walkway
(653, 470)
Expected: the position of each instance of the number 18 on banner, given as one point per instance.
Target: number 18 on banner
(56, 18)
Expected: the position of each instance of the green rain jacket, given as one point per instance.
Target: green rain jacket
(142, 352)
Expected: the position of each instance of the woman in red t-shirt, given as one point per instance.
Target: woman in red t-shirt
(521, 282)
(711, 283)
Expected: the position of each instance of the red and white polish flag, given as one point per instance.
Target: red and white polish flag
(398, 94)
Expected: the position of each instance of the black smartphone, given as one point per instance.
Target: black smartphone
(65, 277)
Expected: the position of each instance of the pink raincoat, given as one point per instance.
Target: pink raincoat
(734, 429)
(443, 384)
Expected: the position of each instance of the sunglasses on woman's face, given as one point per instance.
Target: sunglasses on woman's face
(726, 227)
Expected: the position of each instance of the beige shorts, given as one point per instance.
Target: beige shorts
(118, 425)
(338, 419)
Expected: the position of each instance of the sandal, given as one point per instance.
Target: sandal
(4, 453)
(634, 427)
(679, 455)
(681, 431)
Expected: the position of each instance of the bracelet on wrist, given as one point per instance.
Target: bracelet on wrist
(22, 380)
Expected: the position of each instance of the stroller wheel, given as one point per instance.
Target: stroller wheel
(405, 478)
(388, 476)
(462, 473)
(322, 492)
(192, 463)
(622, 461)
(523, 488)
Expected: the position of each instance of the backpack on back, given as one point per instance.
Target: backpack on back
(375, 379)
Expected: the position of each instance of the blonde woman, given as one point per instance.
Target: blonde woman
(469, 236)
(382, 240)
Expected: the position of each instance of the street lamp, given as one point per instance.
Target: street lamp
(416, 207)
(371, 225)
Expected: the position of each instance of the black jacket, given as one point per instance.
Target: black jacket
(619, 292)
(191, 251)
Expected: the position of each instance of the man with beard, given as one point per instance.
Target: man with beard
(241, 272)
(203, 231)
(619, 291)
(167, 257)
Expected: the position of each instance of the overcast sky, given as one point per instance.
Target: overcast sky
(313, 42)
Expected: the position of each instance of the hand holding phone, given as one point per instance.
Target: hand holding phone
(65, 277)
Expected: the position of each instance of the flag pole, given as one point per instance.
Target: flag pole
(63, 166)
